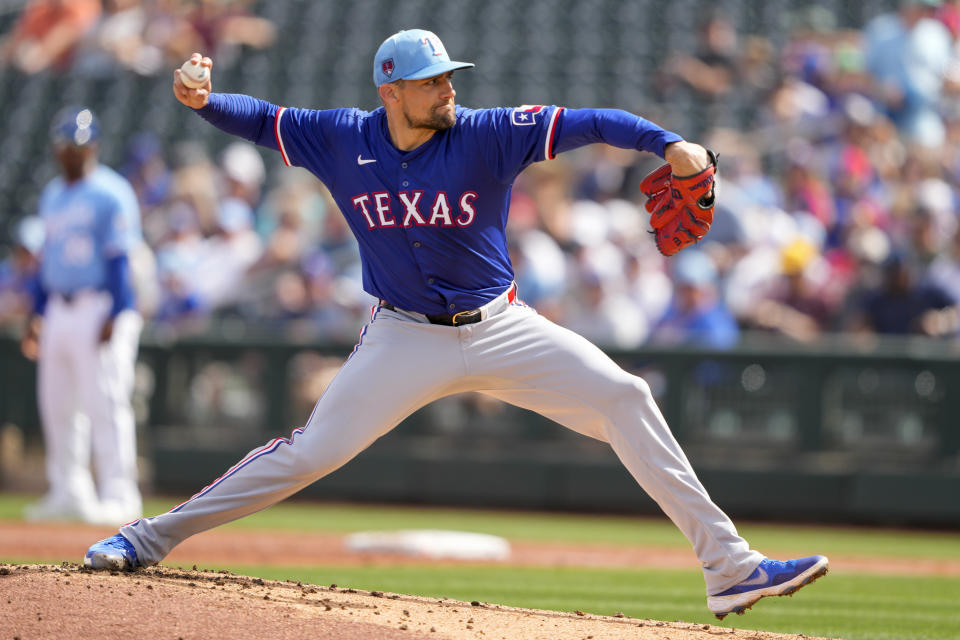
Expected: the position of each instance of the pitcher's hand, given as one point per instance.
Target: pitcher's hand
(194, 98)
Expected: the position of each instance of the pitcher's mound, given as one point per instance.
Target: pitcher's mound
(69, 601)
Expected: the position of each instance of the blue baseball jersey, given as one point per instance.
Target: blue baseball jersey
(87, 223)
(430, 222)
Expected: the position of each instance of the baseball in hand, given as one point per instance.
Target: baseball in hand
(193, 75)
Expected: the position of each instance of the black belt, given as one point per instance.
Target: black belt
(455, 320)
(465, 317)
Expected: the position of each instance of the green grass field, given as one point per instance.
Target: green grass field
(842, 605)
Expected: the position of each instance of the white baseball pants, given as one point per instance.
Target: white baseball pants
(84, 392)
(402, 363)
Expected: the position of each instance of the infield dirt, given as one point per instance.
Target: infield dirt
(69, 601)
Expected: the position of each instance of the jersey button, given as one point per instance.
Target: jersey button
(451, 306)
(417, 244)
(430, 280)
(403, 164)
(406, 183)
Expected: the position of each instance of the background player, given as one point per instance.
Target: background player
(88, 330)
(425, 187)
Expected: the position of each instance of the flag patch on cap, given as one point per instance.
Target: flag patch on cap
(387, 67)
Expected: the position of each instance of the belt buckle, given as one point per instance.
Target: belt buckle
(455, 317)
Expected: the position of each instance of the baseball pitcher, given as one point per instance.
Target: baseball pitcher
(425, 186)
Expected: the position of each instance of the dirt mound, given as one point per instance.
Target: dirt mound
(69, 601)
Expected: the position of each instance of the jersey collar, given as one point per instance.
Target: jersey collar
(381, 116)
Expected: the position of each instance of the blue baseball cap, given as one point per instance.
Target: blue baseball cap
(76, 126)
(694, 268)
(412, 55)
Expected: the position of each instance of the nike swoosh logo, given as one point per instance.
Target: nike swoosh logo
(361, 160)
(761, 578)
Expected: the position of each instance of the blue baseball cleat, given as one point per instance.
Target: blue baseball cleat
(115, 552)
(771, 578)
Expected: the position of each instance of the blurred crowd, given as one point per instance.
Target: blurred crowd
(148, 37)
(838, 193)
(837, 208)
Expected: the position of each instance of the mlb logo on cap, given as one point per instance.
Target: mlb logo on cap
(412, 55)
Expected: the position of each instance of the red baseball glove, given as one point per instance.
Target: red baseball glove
(681, 209)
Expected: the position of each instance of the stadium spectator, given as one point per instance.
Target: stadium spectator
(856, 200)
(540, 266)
(182, 308)
(220, 26)
(227, 255)
(900, 305)
(805, 188)
(712, 72)
(603, 313)
(243, 172)
(337, 243)
(195, 180)
(697, 315)
(116, 42)
(336, 310)
(944, 271)
(145, 167)
(907, 53)
(47, 33)
(793, 306)
(925, 238)
(647, 283)
(286, 245)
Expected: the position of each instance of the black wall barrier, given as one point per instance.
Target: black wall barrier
(845, 431)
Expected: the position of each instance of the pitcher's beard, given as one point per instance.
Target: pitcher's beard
(439, 120)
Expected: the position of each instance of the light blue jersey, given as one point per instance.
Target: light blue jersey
(87, 223)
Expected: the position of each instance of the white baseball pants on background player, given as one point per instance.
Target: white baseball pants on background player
(84, 391)
(402, 363)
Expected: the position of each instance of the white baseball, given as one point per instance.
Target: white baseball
(193, 75)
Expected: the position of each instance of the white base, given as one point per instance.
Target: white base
(431, 543)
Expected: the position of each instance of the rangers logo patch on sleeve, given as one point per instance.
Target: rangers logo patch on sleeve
(525, 114)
